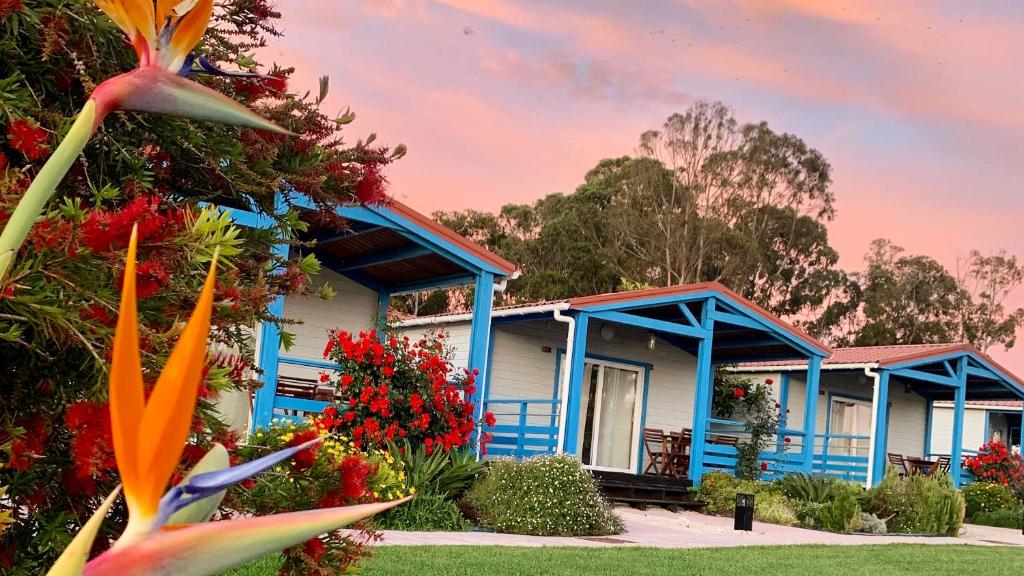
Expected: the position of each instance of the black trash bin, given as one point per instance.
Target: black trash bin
(744, 514)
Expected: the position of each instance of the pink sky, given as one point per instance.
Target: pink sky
(917, 106)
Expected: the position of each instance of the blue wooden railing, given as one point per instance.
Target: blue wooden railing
(837, 461)
(296, 409)
(525, 427)
(782, 457)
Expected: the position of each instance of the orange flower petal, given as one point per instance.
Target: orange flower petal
(127, 399)
(190, 31)
(165, 8)
(135, 17)
(167, 418)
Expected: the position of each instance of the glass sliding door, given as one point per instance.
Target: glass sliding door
(849, 417)
(610, 411)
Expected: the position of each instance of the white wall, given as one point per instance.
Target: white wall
(907, 412)
(942, 428)
(353, 309)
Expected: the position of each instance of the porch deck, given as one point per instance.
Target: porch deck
(641, 491)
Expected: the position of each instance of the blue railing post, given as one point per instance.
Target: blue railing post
(811, 411)
(702, 399)
(880, 440)
(575, 395)
(959, 406)
(524, 407)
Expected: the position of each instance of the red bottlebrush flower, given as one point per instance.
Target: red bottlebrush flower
(315, 549)
(764, 466)
(3, 158)
(276, 84)
(739, 393)
(329, 347)
(27, 137)
(305, 459)
(8, 7)
(370, 188)
(29, 446)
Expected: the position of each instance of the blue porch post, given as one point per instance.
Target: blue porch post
(811, 411)
(879, 442)
(575, 366)
(479, 345)
(928, 428)
(958, 421)
(267, 361)
(702, 397)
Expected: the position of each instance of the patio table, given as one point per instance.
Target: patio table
(677, 461)
(919, 465)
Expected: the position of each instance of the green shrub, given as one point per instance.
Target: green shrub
(1003, 518)
(543, 496)
(871, 524)
(425, 513)
(841, 514)
(808, 515)
(919, 504)
(806, 488)
(719, 490)
(988, 497)
(446, 474)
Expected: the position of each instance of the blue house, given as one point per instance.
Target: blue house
(384, 251)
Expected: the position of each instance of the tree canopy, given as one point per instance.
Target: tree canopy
(708, 198)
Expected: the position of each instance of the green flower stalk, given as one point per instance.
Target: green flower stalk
(163, 34)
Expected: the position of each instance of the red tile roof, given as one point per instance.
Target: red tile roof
(448, 234)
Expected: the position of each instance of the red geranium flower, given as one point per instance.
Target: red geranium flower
(739, 393)
(764, 466)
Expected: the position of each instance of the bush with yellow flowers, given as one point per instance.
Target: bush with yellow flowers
(333, 473)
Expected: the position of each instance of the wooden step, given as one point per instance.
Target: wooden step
(670, 505)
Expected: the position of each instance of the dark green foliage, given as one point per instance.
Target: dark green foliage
(981, 497)
(425, 513)
(919, 504)
(1012, 517)
(444, 474)
(841, 514)
(543, 496)
(807, 488)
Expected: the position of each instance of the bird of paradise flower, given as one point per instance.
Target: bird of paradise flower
(163, 32)
(167, 532)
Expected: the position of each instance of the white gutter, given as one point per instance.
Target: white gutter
(869, 371)
(467, 316)
(499, 287)
(563, 388)
(799, 367)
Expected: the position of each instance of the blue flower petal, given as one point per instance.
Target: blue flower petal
(201, 65)
(208, 483)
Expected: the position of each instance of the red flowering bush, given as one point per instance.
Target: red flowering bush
(392, 388)
(997, 464)
(58, 305)
(333, 473)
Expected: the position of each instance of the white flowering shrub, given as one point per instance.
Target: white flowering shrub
(542, 496)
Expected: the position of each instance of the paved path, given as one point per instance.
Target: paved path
(663, 529)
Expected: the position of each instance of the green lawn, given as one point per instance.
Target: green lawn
(918, 559)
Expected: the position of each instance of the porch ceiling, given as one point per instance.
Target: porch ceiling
(394, 249)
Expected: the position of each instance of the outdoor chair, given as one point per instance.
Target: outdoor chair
(654, 444)
(678, 459)
(897, 462)
(941, 464)
(725, 440)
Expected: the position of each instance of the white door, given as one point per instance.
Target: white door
(610, 414)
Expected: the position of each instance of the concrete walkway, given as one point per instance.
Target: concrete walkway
(663, 529)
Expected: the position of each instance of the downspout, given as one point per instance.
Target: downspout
(875, 396)
(563, 387)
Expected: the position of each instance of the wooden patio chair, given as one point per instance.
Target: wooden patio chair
(941, 464)
(678, 459)
(725, 440)
(897, 461)
(654, 444)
